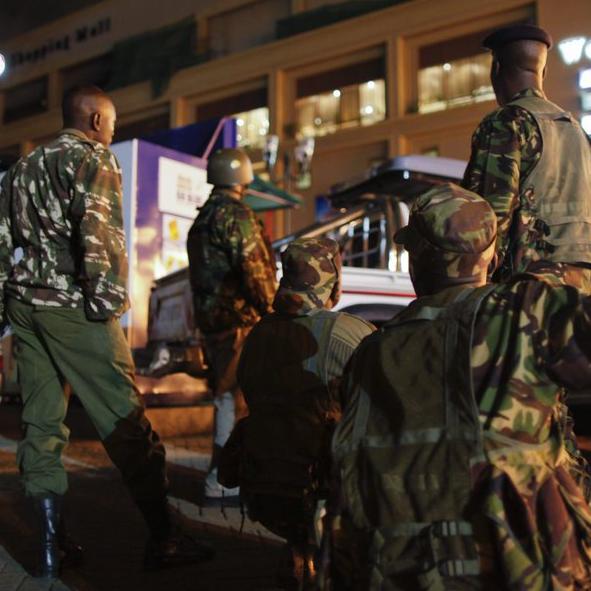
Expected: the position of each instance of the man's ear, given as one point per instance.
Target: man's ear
(496, 67)
(335, 294)
(95, 121)
(492, 266)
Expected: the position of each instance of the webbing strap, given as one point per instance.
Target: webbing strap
(323, 323)
(460, 397)
(417, 436)
(440, 529)
(459, 568)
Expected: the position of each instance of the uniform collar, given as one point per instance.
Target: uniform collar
(76, 132)
(529, 92)
(226, 192)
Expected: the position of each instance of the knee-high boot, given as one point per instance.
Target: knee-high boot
(48, 510)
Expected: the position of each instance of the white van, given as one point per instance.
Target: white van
(376, 283)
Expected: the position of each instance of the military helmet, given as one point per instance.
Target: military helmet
(228, 167)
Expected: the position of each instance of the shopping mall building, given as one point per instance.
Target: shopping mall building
(369, 80)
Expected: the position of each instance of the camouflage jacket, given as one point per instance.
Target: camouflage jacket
(60, 206)
(531, 339)
(232, 276)
(505, 148)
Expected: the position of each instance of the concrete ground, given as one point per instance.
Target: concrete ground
(101, 517)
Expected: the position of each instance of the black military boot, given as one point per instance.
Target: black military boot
(168, 546)
(48, 510)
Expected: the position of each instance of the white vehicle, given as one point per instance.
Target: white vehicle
(376, 283)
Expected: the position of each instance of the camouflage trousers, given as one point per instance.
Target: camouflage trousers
(56, 346)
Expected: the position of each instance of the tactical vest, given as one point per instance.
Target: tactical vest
(561, 185)
(286, 438)
(405, 445)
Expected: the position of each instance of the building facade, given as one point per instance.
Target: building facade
(367, 80)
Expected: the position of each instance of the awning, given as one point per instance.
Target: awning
(264, 196)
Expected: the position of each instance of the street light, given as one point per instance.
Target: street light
(571, 49)
(585, 79)
(2, 64)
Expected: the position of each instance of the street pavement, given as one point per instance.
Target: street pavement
(102, 518)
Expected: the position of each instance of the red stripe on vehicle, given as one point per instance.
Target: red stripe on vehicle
(380, 293)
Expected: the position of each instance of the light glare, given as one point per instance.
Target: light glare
(2, 64)
(586, 123)
(571, 49)
(585, 79)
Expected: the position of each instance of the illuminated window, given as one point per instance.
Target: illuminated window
(252, 118)
(253, 127)
(455, 83)
(352, 96)
(453, 73)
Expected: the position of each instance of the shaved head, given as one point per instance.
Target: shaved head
(516, 66)
(90, 110)
(523, 56)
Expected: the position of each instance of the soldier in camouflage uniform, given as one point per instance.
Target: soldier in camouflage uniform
(532, 162)
(233, 281)
(61, 206)
(290, 371)
(451, 453)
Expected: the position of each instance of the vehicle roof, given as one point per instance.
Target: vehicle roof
(404, 177)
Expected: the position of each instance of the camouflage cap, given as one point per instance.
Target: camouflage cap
(311, 268)
(451, 234)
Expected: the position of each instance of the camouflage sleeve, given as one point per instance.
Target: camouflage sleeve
(6, 245)
(250, 254)
(564, 343)
(98, 208)
(502, 145)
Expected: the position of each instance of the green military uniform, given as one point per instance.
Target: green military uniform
(61, 205)
(232, 274)
(290, 371)
(233, 281)
(532, 162)
(453, 417)
(519, 154)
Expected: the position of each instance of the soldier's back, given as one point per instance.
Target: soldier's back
(48, 191)
(215, 248)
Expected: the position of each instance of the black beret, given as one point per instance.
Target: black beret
(501, 37)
